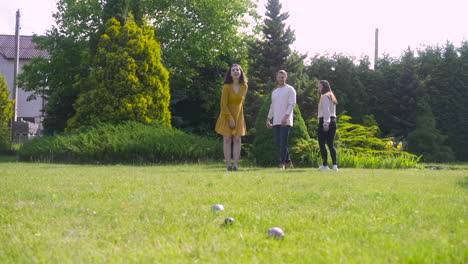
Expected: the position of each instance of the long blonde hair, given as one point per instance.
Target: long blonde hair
(326, 89)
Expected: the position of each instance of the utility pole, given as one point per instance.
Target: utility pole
(16, 70)
(376, 56)
(15, 73)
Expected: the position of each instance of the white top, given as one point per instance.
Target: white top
(283, 101)
(326, 109)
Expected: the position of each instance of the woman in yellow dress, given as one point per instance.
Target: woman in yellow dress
(231, 123)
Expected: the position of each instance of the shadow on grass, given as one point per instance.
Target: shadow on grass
(464, 183)
(8, 158)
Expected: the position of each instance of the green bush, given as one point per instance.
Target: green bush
(6, 112)
(265, 150)
(377, 160)
(359, 146)
(359, 137)
(130, 142)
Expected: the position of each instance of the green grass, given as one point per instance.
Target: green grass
(56, 213)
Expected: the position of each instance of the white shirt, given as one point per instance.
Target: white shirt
(326, 109)
(283, 101)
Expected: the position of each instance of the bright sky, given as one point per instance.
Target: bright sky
(341, 26)
(36, 16)
(348, 26)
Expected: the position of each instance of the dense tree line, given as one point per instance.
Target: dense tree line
(423, 94)
(415, 98)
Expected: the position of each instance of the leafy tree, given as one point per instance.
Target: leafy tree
(77, 22)
(306, 86)
(199, 39)
(127, 80)
(344, 79)
(6, 112)
(198, 43)
(426, 139)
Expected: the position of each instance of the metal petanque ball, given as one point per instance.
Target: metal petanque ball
(217, 207)
(275, 232)
(229, 221)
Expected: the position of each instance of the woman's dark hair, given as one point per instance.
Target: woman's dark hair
(242, 77)
(326, 89)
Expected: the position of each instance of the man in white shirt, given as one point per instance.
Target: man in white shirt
(283, 101)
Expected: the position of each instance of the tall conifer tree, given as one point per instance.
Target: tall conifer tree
(426, 139)
(274, 49)
(127, 80)
(409, 86)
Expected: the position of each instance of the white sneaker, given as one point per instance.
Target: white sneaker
(335, 167)
(323, 168)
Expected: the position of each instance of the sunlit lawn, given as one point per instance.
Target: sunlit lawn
(55, 213)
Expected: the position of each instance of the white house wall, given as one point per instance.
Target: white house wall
(30, 109)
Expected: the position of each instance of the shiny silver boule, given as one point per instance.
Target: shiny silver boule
(275, 232)
(217, 207)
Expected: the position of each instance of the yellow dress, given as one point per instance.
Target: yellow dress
(232, 105)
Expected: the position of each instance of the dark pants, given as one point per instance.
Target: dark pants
(282, 134)
(328, 139)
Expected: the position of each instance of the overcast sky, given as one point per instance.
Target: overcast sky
(341, 26)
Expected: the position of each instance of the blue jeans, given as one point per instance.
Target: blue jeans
(282, 134)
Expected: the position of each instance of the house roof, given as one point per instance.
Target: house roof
(27, 50)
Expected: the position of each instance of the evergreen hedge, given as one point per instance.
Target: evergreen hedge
(130, 142)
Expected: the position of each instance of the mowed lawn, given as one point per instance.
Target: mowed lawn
(57, 213)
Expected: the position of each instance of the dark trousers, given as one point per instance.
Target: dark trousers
(282, 134)
(327, 138)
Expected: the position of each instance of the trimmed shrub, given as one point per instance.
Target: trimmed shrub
(265, 149)
(130, 142)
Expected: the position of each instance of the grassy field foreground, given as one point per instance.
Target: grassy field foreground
(54, 213)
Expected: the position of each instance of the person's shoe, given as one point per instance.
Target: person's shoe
(229, 168)
(289, 165)
(323, 167)
(234, 168)
(335, 167)
(281, 166)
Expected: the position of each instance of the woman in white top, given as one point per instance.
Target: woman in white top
(327, 123)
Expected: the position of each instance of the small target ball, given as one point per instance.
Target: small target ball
(275, 232)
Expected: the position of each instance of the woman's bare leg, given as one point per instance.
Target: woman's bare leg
(237, 150)
(227, 150)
